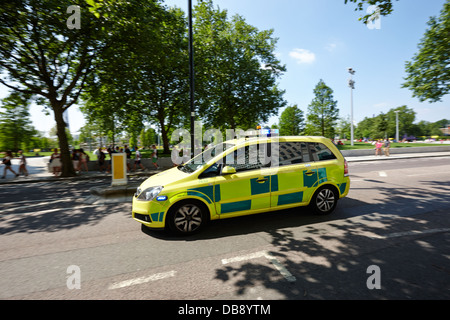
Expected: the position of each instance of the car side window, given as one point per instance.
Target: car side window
(321, 152)
(293, 153)
(212, 171)
(248, 157)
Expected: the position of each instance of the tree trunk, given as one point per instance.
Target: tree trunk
(165, 138)
(66, 160)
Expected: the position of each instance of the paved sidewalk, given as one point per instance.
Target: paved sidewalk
(37, 168)
(38, 172)
(398, 156)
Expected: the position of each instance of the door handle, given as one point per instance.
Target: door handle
(262, 180)
(309, 173)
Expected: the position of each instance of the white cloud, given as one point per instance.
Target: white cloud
(303, 56)
(331, 47)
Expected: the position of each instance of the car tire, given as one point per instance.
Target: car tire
(187, 217)
(324, 200)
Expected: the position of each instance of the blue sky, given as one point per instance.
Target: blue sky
(320, 39)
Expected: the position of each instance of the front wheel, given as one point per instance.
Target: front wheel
(187, 218)
(325, 200)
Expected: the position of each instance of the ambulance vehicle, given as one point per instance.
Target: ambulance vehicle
(243, 177)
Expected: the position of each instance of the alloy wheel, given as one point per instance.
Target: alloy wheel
(188, 218)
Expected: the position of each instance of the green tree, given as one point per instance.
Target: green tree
(143, 76)
(292, 121)
(41, 56)
(427, 129)
(15, 123)
(428, 72)
(366, 128)
(442, 123)
(381, 126)
(406, 118)
(148, 137)
(322, 113)
(344, 128)
(237, 70)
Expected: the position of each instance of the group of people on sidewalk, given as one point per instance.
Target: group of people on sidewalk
(8, 165)
(80, 159)
(379, 144)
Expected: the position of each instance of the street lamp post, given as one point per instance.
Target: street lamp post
(191, 77)
(351, 84)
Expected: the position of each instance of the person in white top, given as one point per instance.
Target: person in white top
(22, 164)
(137, 160)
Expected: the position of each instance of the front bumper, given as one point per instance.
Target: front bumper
(149, 213)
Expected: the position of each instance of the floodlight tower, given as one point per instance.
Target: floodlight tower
(351, 84)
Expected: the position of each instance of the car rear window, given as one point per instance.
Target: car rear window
(321, 152)
(293, 152)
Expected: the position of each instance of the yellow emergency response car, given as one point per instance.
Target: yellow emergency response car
(242, 177)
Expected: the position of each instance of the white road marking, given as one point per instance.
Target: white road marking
(141, 280)
(382, 174)
(250, 256)
(276, 263)
(410, 233)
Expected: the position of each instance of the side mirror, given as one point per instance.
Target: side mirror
(228, 170)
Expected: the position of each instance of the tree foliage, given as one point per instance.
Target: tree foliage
(385, 7)
(236, 68)
(15, 125)
(142, 76)
(429, 71)
(292, 121)
(384, 125)
(42, 57)
(322, 112)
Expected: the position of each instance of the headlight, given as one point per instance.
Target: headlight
(148, 194)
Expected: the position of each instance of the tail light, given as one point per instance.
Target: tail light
(345, 168)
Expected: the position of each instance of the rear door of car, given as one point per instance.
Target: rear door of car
(296, 177)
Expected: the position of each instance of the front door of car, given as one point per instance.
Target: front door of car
(248, 189)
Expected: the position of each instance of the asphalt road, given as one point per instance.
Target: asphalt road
(389, 239)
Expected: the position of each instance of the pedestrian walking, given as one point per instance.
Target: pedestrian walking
(76, 160)
(101, 159)
(128, 152)
(22, 164)
(155, 156)
(137, 160)
(7, 162)
(55, 162)
(84, 159)
(387, 145)
(378, 146)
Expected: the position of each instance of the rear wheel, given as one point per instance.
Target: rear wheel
(325, 200)
(187, 217)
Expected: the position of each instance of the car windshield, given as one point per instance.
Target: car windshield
(201, 159)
